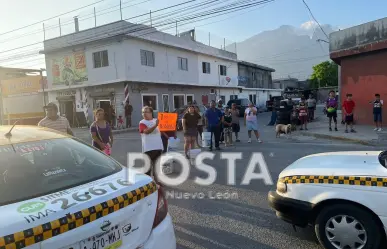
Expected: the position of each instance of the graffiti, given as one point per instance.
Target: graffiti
(138, 88)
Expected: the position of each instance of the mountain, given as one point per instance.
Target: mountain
(289, 50)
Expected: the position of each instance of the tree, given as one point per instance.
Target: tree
(324, 74)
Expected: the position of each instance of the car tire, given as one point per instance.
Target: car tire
(365, 220)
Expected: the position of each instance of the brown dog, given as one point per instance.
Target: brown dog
(283, 129)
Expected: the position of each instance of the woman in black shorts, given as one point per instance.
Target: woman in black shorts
(190, 127)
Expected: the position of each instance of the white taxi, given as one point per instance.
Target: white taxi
(342, 194)
(59, 193)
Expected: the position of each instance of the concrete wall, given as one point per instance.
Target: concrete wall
(364, 81)
(262, 78)
(358, 35)
(214, 78)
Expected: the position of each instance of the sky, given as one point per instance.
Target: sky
(16, 49)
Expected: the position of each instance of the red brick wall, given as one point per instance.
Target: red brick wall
(363, 76)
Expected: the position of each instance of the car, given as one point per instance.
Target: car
(180, 113)
(242, 104)
(343, 195)
(57, 192)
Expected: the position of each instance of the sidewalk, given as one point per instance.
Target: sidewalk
(365, 134)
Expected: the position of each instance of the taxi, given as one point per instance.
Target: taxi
(57, 192)
(343, 195)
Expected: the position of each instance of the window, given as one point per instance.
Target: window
(232, 97)
(101, 59)
(253, 98)
(223, 70)
(178, 101)
(189, 99)
(206, 67)
(150, 100)
(223, 98)
(165, 102)
(183, 63)
(147, 58)
(40, 168)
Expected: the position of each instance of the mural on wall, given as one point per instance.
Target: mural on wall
(138, 88)
(69, 70)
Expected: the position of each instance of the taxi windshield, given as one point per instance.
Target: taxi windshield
(33, 169)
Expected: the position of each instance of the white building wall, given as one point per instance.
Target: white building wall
(166, 64)
(214, 78)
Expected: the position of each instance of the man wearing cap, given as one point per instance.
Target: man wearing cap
(54, 121)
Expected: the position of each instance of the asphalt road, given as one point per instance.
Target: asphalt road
(244, 219)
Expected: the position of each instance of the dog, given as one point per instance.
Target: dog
(283, 129)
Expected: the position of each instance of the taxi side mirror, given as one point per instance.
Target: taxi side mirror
(383, 158)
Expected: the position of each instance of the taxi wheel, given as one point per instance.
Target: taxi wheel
(345, 226)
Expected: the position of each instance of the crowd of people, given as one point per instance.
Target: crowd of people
(222, 122)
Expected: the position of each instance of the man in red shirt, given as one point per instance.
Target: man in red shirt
(348, 108)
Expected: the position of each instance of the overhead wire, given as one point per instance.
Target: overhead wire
(311, 13)
(161, 24)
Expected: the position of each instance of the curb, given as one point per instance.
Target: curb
(358, 141)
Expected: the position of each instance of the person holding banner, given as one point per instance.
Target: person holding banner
(152, 145)
(190, 126)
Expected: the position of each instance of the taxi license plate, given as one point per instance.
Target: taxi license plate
(110, 240)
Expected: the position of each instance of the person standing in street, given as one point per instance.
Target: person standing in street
(190, 127)
(377, 111)
(227, 127)
(251, 122)
(220, 107)
(128, 114)
(101, 132)
(311, 102)
(235, 121)
(214, 120)
(200, 125)
(348, 108)
(331, 109)
(303, 113)
(152, 145)
(55, 121)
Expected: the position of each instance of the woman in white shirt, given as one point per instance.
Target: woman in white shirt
(152, 145)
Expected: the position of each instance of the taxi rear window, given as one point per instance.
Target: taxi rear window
(29, 170)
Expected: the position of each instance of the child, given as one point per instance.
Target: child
(348, 108)
(331, 109)
(294, 118)
(377, 110)
(227, 127)
(120, 122)
(303, 113)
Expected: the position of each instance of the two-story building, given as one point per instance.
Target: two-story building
(255, 82)
(110, 64)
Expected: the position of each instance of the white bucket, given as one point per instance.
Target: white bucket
(206, 139)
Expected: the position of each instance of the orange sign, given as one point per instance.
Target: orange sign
(167, 121)
(21, 86)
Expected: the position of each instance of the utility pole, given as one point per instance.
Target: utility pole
(121, 9)
(44, 32)
(150, 17)
(60, 28)
(95, 18)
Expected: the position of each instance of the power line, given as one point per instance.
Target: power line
(68, 12)
(310, 11)
(161, 24)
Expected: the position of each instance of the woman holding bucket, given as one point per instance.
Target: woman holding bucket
(101, 132)
(190, 127)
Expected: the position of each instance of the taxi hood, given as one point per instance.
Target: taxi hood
(345, 163)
